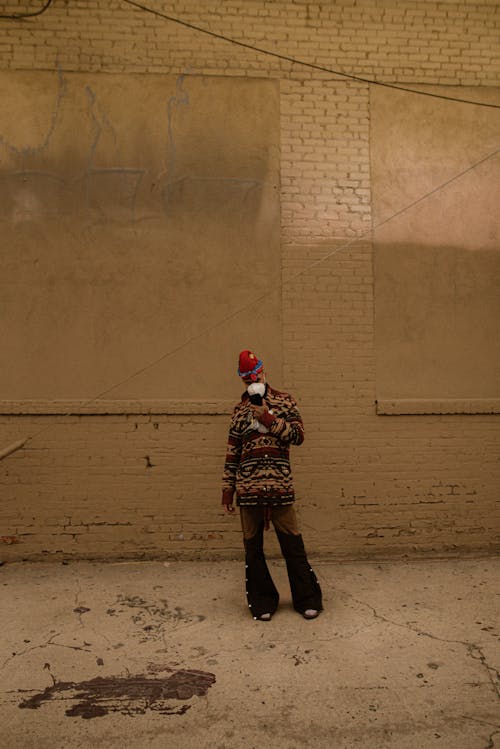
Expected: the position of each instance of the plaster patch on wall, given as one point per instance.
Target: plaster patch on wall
(141, 213)
(437, 264)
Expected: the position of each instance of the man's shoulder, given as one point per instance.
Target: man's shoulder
(243, 400)
(242, 403)
(280, 394)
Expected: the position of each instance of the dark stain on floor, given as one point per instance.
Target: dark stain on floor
(128, 695)
(151, 616)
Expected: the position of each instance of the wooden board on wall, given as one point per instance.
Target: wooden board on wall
(138, 212)
(437, 264)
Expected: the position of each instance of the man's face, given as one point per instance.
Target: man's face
(259, 377)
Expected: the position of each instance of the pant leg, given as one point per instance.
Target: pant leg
(262, 595)
(306, 591)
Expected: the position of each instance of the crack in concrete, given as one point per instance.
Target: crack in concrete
(491, 743)
(78, 606)
(42, 646)
(473, 650)
(483, 723)
(493, 673)
(481, 720)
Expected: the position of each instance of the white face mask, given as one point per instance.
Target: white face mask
(256, 388)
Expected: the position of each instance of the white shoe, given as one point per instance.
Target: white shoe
(310, 614)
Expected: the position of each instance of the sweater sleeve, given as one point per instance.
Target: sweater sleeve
(288, 428)
(233, 454)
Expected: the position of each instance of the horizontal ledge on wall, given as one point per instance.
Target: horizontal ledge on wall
(117, 407)
(409, 406)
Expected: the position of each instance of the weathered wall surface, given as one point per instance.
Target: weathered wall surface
(129, 203)
(116, 481)
(437, 265)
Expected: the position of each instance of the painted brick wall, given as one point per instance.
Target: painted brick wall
(127, 485)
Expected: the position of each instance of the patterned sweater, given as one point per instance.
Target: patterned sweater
(258, 465)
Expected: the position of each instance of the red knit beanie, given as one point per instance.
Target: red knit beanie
(249, 365)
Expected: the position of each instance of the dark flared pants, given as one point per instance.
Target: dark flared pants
(262, 594)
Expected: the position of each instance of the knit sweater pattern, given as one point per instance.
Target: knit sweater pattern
(257, 464)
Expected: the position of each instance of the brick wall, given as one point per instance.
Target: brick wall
(369, 485)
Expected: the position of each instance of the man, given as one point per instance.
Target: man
(263, 426)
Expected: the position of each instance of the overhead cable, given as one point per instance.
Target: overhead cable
(277, 55)
(255, 301)
(18, 16)
(313, 66)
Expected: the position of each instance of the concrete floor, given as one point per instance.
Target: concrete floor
(153, 654)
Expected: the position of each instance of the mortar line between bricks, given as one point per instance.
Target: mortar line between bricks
(362, 236)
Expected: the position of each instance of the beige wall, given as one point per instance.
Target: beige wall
(437, 265)
(128, 478)
(134, 208)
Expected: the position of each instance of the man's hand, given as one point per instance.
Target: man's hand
(259, 411)
(227, 500)
(263, 414)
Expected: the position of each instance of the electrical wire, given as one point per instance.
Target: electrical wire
(266, 294)
(343, 246)
(313, 66)
(18, 16)
(277, 55)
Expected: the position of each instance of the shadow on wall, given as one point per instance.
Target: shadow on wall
(133, 207)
